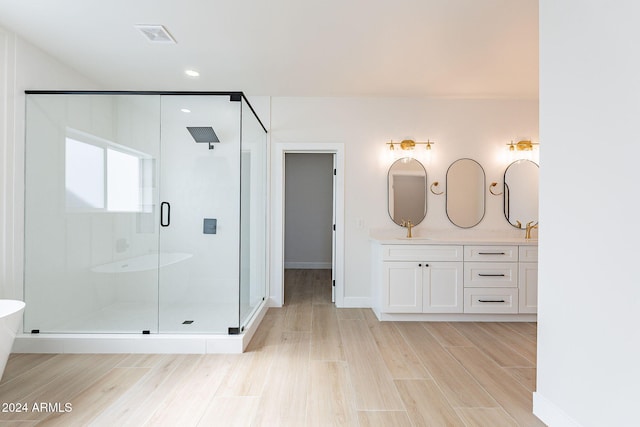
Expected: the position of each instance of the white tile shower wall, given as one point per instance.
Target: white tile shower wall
(23, 66)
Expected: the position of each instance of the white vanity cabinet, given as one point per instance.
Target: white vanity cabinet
(426, 281)
(422, 279)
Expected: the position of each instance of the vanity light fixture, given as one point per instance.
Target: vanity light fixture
(409, 144)
(523, 145)
(524, 149)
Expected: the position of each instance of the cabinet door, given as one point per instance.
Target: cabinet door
(443, 290)
(402, 287)
(528, 287)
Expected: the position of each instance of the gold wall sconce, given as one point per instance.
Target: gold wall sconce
(523, 145)
(409, 144)
(524, 149)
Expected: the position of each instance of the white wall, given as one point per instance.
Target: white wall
(478, 129)
(589, 296)
(22, 67)
(308, 210)
(461, 128)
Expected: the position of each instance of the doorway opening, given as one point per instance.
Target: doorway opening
(297, 256)
(309, 227)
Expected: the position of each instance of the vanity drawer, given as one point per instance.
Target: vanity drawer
(490, 274)
(422, 253)
(528, 253)
(491, 253)
(490, 300)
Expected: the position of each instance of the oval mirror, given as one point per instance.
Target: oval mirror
(465, 193)
(407, 187)
(521, 193)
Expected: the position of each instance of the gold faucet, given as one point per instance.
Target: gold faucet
(409, 226)
(530, 226)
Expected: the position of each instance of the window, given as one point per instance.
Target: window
(123, 182)
(103, 176)
(84, 175)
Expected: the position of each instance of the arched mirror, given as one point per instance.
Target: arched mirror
(521, 193)
(407, 187)
(465, 193)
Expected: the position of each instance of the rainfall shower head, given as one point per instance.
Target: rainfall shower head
(203, 134)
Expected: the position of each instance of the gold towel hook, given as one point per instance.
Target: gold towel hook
(494, 184)
(435, 185)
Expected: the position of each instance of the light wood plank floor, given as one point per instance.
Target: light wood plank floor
(309, 364)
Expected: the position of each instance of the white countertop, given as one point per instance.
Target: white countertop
(424, 237)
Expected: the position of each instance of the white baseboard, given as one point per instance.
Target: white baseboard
(307, 265)
(356, 302)
(550, 414)
(272, 302)
(454, 317)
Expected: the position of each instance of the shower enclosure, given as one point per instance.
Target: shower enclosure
(144, 212)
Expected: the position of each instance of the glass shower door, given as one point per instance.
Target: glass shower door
(200, 197)
(91, 240)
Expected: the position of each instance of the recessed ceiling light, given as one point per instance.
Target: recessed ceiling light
(192, 73)
(155, 33)
(185, 110)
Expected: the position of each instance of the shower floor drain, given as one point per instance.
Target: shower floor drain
(187, 322)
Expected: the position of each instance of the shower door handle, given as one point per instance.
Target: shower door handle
(162, 216)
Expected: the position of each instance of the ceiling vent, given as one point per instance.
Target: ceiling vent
(155, 33)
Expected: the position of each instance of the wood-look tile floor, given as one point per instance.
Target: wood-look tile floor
(309, 364)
